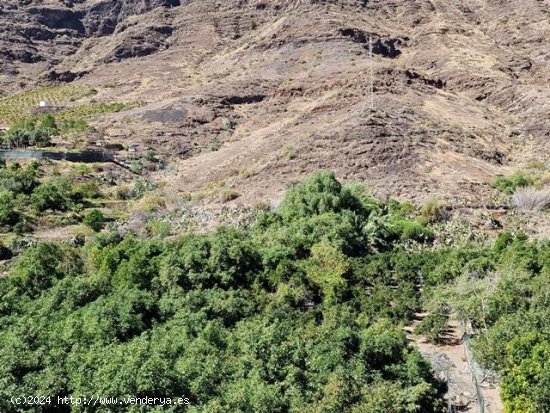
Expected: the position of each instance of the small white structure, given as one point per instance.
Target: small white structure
(46, 104)
(4, 128)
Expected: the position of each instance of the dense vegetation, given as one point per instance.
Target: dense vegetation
(38, 130)
(282, 317)
(300, 312)
(505, 297)
(509, 184)
(23, 195)
(31, 131)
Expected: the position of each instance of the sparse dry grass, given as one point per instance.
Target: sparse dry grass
(229, 195)
(531, 199)
(246, 173)
(150, 203)
(537, 165)
(432, 211)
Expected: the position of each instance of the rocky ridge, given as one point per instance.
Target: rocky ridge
(461, 89)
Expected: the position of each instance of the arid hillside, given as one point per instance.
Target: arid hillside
(252, 95)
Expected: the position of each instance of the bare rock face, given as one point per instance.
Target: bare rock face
(387, 47)
(32, 31)
(147, 41)
(102, 18)
(459, 91)
(56, 19)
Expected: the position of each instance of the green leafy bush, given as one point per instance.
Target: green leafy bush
(31, 131)
(18, 179)
(74, 125)
(41, 267)
(8, 215)
(55, 194)
(320, 194)
(88, 190)
(509, 184)
(159, 228)
(95, 220)
(326, 268)
(412, 230)
(433, 326)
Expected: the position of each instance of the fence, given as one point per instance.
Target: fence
(474, 371)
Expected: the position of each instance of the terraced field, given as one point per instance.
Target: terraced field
(91, 110)
(16, 107)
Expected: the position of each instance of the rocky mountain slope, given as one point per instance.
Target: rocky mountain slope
(256, 94)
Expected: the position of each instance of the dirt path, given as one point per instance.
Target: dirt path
(452, 364)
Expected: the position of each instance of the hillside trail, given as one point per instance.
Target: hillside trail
(453, 364)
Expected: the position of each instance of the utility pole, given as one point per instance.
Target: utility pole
(371, 84)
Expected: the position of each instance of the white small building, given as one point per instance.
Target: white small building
(46, 104)
(4, 128)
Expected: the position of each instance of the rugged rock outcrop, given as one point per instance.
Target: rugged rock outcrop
(455, 93)
(103, 17)
(35, 31)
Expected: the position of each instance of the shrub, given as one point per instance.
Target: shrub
(159, 228)
(17, 179)
(21, 227)
(123, 193)
(150, 203)
(261, 206)
(54, 194)
(88, 190)
(8, 215)
(141, 186)
(74, 125)
(531, 199)
(136, 166)
(40, 138)
(432, 326)
(525, 385)
(81, 170)
(229, 195)
(16, 138)
(71, 219)
(38, 269)
(326, 268)
(35, 131)
(319, 194)
(509, 184)
(412, 230)
(95, 220)
(504, 239)
(537, 164)
(246, 173)
(46, 123)
(432, 211)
